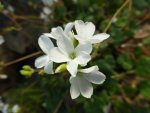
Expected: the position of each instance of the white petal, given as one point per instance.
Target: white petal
(57, 32)
(81, 40)
(74, 89)
(90, 69)
(41, 61)
(68, 27)
(99, 38)
(83, 58)
(72, 67)
(65, 45)
(49, 35)
(49, 68)
(1, 39)
(85, 86)
(45, 43)
(84, 47)
(84, 30)
(57, 56)
(95, 77)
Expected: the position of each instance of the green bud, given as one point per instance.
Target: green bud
(61, 68)
(26, 73)
(27, 67)
(75, 42)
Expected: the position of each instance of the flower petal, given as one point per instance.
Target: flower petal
(49, 35)
(93, 75)
(89, 70)
(68, 27)
(74, 89)
(83, 58)
(45, 43)
(57, 56)
(84, 30)
(72, 67)
(65, 45)
(84, 47)
(49, 68)
(57, 32)
(85, 86)
(1, 40)
(41, 61)
(99, 38)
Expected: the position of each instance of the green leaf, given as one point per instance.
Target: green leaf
(105, 67)
(143, 66)
(125, 61)
(145, 89)
(99, 101)
(147, 41)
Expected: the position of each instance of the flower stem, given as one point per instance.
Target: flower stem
(116, 14)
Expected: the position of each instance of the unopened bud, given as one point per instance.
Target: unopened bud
(26, 73)
(61, 68)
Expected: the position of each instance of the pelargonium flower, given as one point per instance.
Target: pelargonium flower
(66, 52)
(81, 84)
(85, 33)
(44, 61)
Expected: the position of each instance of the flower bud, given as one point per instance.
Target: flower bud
(26, 73)
(61, 68)
(27, 67)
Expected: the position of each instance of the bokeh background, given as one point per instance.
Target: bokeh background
(124, 58)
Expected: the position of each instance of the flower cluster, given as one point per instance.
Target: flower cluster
(6, 108)
(73, 48)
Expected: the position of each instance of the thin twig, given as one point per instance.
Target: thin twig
(95, 53)
(115, 15)
(130, 5)
(58, 106)
(22, 58)
(19, 27)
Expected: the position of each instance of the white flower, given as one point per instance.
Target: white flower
(3, 76)
(15, 108)
(46, 45)
(44, 17)
(5, 108)
(10, 8)
(57, 32)
(45, 14)
(82, 82)
(48, 2)
(47, 10)
(1, 40)
(85, 32)
(66, 52)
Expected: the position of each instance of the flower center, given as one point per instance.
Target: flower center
(72, 55)
(75, 43)
(80, 74)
